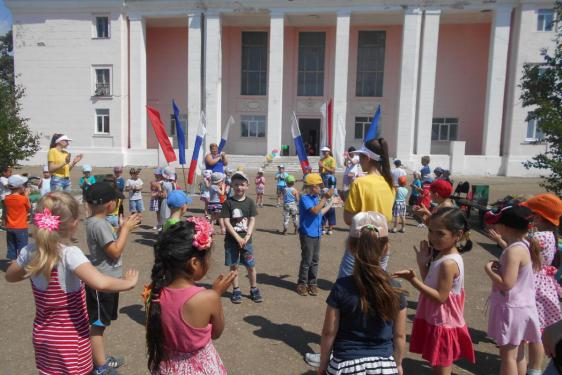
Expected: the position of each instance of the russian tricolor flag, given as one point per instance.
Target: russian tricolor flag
(201, 131)
(224, 137)
(299, 145)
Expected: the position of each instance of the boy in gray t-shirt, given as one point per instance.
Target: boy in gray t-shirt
(106, 247)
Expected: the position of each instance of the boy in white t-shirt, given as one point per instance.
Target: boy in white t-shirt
(397, 172)
(134, 187)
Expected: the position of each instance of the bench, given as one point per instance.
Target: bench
(476, 199)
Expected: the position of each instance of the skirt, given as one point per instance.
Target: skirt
(154, 204)
(399, 209)
(367, 366)
(215, 208)
(205, 361)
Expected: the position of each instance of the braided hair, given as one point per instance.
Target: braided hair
(455, 221)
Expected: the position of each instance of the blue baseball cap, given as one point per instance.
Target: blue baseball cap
(178, 199)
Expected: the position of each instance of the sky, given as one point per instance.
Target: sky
(5, 18)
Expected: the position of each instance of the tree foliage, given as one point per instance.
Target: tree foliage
(542, 90)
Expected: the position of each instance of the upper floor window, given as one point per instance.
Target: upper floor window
(183, 120)
(534, 133)
(370, 63)
(254, 63)
(252, 126)
(102, 27)
(102, 121)
(311, 64)
(103, 82)
(445, 129)
(545, 19)
(362, 126)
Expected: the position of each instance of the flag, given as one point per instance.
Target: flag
(329, 126)
(324, 126)
(179, 133)
(161, 135)
(201, 131)
(373, 131)
(224, 137)
(299, 145)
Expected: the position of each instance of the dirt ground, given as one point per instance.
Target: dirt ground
(271, 337)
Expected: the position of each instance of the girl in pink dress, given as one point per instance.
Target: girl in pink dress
(260, 187)
(513, 318)
(184, 318)
(440, 333)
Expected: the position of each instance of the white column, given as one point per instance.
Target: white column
(341, 72)
(137, 48)
(497, 70)
(275, 82)
(408, 83)
(193, 76)
(213, 78)
(426, 92)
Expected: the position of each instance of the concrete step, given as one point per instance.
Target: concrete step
(253, 162)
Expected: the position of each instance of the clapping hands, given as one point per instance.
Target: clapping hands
(222, 282)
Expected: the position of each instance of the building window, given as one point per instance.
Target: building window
(102, 121)
(534, 134)
(370, 63)
(362, 126)
(102, 27)
(311, 64)
(183, 120)
(545, 19)
(444, 129)
(254, 63)
(103, 82)
(252, 126)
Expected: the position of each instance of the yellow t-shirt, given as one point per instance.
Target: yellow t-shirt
(115, 212)
(370, 193)
(58, 157)
(329, 162)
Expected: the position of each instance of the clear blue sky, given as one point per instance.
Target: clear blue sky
(5, 18)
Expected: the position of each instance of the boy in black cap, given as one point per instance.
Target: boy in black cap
(106, 247)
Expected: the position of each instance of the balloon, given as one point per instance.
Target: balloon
(275, 151)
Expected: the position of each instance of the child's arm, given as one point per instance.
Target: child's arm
(505, 278)
(98, 281)
(447, 273)
(251, 224)
(15, 273)
(222, 189)
(399, 329)
(115, 249)
(327, 207)
(297, 196)
(329, 331)
(221, 284)
(497, 238)
(127, 186)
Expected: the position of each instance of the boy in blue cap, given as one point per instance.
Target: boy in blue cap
(177, 202)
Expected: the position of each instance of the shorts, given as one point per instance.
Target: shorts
(329, 218)
(102, 307)
(413, 200)
(234, 255)
(280, 190)
(136, 205)
(154, 204)
(260, 190)
(205, 196)
(399, 209)
(214, 208)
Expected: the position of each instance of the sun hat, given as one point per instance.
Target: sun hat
(228, 170)
(549, 206)
(290, 178)
(102, 192)
(402, 180)
(281, 166)
(240, 176)
(438, 171)
(368, 153)
(363, 219)
(217, 177)
(169, 173)
(63, 137)
(16, 181)
(517, 217)
(157, 171)
(45, 168)
(177, 199)
(86, 168)
(325, 149)
(237, 213)
(442, 187)
(313, 179)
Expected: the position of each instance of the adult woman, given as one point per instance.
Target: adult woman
(327, 163)
(215, 161)
(59, 163)
(351, 172)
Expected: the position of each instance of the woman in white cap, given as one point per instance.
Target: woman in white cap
(327, 163)
(59, 162)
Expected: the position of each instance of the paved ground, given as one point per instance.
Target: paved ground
(271, 337)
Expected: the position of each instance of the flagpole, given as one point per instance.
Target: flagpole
(184, 178)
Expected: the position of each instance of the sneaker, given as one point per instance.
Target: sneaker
(255, 295)
(329, 232)
(312, 290)
(312, 359)
(284, 232)
(114, 362)
(323, 232)
(302, 290)
(277, 205)
(106, 370)
(236, 296)
(402, 230)
(393, 230)
(421, 225)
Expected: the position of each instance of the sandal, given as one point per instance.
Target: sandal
(302, 290)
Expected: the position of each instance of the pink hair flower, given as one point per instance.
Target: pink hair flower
(203, 237)
(47, 220)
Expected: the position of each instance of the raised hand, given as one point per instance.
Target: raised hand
(222, 282)
(423, 254)
(131, 275)
(132, 221)
(405, 274)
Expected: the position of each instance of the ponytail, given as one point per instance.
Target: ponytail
(535, 251)
(154, 334)
(380, 147)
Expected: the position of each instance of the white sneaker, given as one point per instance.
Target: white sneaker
(312, 359)
(421, 225)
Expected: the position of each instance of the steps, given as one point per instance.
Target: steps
(253, 162)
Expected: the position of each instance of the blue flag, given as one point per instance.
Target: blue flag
(373, 131)
(179, 133)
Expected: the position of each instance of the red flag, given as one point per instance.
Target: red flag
(161, 135)
(330, 110)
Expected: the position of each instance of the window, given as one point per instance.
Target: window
(361, 126)
(444, 129)
(545, 19)
(102, 121)
(102, 27)
(534, 134)
(252, 126)
(311, 64)
(103, 82)
(254, 63)
(183, 120)
(370, 63)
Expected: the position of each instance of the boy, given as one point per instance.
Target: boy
(120, 182)
(439, 193)
(106, 247)
(134, 187)
(5, 173)
(425, 169)
(329, 218)
(311, 210)
(280, 177)
(290, 204)
(45, 184)
(238, 240)
(14, 217)
(87, 180)
(397, 172)
(399, 207)
(177, 202)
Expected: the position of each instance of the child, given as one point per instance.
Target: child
(227, 183)
(365, 323)
(45, 184)
(290, 204)
(156, 195)
(183, 319)
(238, 247)
(260, 187)
(168, 185)
(114, 216)
(425, 170)
(311, 209)
(106, 248)
(177, 201)
(513, 318)
(134, 187)
(16, 210)
(440, 333)
(5, 173)
(120, 182)
(204, 186)
(56, 270)
(280, 177)
(216, 190)
(87, 180)
(351, 171)
(440, 191)
(329, 219)
(397, 172)
(416, 186)
(399, 208)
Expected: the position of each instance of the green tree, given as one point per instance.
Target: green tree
(542, 89)
(17, 140)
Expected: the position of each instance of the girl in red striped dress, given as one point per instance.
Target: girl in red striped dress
(58, 271)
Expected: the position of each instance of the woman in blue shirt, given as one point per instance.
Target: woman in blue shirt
(215, 161)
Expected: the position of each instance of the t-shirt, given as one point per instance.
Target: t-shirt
(309, 224)
(249, 210)
(329, 162)
(281, 177)
(397, 172)
(358, 335)
(260, 182)
(330, 181)
(58, 157)
(4, 190)
(425, 170)
(171, 221)
(99, 233)
(45, 186)
(120, 182)
(416, 183)
(350, 174)
(401, 194)
(17, 207)
(135, 193)
(71, 257)
(214, 194)
(90, 181)
(370, 193)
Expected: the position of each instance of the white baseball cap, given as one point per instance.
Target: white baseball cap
(63, 137)
(16, 181)
(325, 149)
(45, 168)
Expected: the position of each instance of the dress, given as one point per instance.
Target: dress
(440, 333)
(260, 185)
(513, 314)
(546, 289)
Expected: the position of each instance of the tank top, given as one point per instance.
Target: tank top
(289, 196)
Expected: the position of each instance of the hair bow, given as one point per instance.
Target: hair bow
(47, 220)
(202, 239)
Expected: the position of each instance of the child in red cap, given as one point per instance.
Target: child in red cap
(440, 191)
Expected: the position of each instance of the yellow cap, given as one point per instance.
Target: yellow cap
(313, 179)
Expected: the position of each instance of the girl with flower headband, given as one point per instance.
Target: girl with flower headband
(183, 318)
(58, 271)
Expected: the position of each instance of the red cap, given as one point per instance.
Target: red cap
(402, 181)
(442, 188)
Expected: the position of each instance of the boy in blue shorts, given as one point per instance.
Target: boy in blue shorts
(239, 217)
(280, 177)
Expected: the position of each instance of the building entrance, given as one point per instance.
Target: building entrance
(310, 132)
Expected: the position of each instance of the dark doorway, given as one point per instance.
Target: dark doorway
(310, 132)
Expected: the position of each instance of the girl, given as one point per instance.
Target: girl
(260, 187)
(57, 271)
(204, 186)
(168, 184)
(156, 195)
(513, 317)
(440, 191)
(440, 333)
(216, 190)
(365, 323)
(183, 318)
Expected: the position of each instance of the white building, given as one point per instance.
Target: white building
(446, 74)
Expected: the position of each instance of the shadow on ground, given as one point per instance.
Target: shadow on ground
(281, 281)
(135, 312)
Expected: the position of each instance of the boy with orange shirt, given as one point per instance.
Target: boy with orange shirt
(16, 210)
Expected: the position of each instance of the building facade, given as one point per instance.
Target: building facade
(445, 73)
